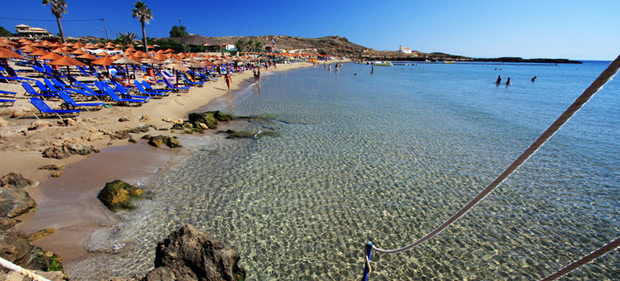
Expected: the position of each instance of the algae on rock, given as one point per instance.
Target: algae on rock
(118, 195)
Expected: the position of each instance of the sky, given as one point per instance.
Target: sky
(583, 30)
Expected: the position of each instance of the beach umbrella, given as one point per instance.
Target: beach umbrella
(8, 54)
(160, 57)
(178, 67)
(67, 61)
(116, 57)
(106, 61)
(50, 56)
(126, 62)
(86, 56)
(38, 52)
(62, 50)
(78, 52)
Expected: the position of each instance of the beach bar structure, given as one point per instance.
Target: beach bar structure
(29, 31)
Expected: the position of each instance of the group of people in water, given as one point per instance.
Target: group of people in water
(499, 80)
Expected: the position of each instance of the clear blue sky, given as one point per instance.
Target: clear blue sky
(486, 28)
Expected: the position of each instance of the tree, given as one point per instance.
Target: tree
(4, 32)
(127, 38)
(257, 46)
(143, 14)
(240, 44)
(59, 7)
(178, 31)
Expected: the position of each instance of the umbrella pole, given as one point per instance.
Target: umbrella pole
(69, 75)
(127, 73)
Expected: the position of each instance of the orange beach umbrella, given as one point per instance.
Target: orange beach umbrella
(67, 61)
(8, 54)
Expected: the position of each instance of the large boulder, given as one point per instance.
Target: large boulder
(14, 200)
(118, 195)
(189, 254)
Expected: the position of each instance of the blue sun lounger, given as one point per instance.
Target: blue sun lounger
(45, 93)
(175, 87)
(45, 110)
(119, 100)
(7, 102)
(148, 87)
(149, 93)
(70, 103)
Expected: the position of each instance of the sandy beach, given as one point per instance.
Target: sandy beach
(68, 203)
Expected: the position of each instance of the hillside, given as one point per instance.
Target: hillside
(334, 45)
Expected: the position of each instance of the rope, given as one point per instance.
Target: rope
(592, 256)
(605, 76)
(21, 270)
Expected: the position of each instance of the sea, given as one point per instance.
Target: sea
(342, 158)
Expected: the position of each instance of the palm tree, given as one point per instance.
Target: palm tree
(127, 38)
(258, 46)
(240, 45)
(59, 7)
(143, 14)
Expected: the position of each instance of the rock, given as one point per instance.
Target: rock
(145, 118)
(124, 119)
(67, 148)
(167, 120)
(41, 233)
(210, 118)
(251, 134)
(189, 254)
(118, 195)
(156, 141)
(15, 247)
(92, 134)
(52, 167)
(71, 121)
(39, 124)
(14, 200)
(56, 174)
(203, 126)
(178, 122)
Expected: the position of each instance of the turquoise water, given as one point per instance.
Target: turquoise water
(386, 158)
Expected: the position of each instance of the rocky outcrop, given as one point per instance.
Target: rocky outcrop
(66, 148)
(189, 254)
(209, 118)
(14, 200)
(118, 195)
(157, 141)
(15, 245)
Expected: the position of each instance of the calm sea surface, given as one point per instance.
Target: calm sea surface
(386, 158)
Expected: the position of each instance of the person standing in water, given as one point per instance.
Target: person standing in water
(508, 81)
(228, 79)
(372, 69)
(534, 78)
(499, 79)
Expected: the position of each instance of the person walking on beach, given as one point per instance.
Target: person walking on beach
(228, 79)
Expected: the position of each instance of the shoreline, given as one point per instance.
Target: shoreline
(69, 203)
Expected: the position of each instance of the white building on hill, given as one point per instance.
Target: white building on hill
(28, 31)
(405, 50)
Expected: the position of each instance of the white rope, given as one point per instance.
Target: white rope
(21, 270)
(605, 76)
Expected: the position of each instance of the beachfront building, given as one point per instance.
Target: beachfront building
(28, 31)
(405, 50)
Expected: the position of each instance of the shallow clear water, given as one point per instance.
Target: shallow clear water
(386, 158)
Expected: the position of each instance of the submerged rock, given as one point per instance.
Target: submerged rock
(189, 254)
(118, 195)
(232, 134)
(14, 200)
